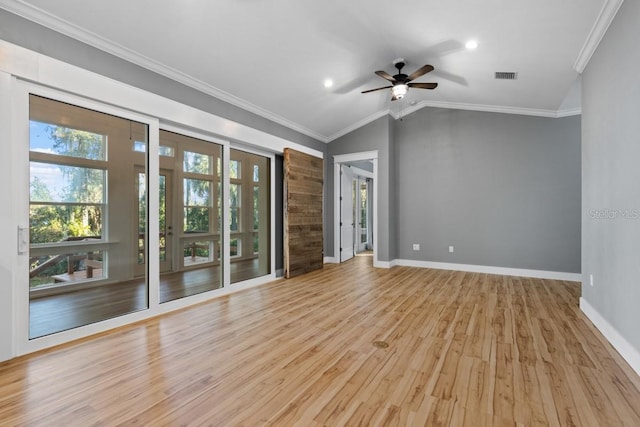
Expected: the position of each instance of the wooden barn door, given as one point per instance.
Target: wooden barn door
(303, 240)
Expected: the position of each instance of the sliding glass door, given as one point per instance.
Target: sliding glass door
(190, 216)
(84, 234)
(89, 240)
(249, 215)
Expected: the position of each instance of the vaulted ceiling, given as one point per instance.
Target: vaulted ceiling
(272, 57)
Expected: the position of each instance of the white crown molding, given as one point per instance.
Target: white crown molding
(39, 16)
(569, 112)
(477, 107)
(599, 29)
(357, 125)
(456, 106)
(626, 350)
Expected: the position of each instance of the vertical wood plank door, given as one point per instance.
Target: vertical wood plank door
(303, 240)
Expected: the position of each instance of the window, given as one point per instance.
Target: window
(65, 141)
(234, 169)
(197, 163)
(197, 252)
(67, 179)
(197, 205)
(235, 193)
(163, 150)
(197, 192)
(65, 202)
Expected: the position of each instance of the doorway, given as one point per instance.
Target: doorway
(355, 228)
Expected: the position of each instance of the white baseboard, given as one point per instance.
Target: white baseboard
(626, 350)
(520, 272)
(383, 264)
(538, 274)
(376, 263)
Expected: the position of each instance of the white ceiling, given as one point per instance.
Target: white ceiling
(272, 57)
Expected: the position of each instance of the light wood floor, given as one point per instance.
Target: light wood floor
(463, 350)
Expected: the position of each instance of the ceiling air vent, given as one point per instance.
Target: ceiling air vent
(506, 75)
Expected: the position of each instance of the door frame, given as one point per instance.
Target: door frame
(338, 160)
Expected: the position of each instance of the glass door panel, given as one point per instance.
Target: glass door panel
(83, 192)
(249, 216)
(191, 217)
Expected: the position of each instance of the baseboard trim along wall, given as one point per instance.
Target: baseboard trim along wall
(520, 272)
(622, 346)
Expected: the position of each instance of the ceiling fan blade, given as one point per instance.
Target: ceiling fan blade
(386, 76)
(420, 72)
(423, 85)
(379, 88)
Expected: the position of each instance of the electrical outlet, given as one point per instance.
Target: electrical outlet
(450, 249)
(591, 279)
(416, 246)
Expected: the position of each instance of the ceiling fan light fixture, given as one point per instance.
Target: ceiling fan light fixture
(399, 91)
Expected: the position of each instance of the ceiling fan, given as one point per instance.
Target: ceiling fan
(402, 82)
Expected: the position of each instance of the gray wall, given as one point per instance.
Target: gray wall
(611, 176)
(374, 136)
(392, 186)
(503, 189)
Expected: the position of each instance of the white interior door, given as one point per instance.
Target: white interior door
(346, 214)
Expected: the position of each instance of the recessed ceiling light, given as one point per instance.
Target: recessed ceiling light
(328, 83)
(471, 44)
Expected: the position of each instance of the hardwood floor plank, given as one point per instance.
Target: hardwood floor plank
(464, 349)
